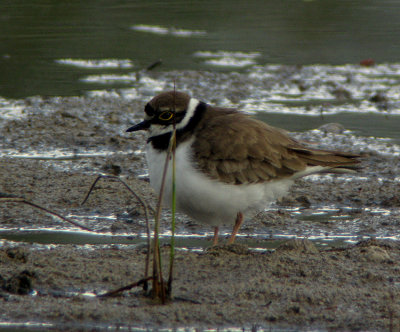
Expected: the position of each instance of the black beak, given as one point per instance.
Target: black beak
(144, 125)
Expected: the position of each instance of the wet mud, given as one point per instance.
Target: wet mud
(52, 156)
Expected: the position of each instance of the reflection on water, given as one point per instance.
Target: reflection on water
(35, 34)
(326, 226)
(93, 64)
(167, 31)
(293, 98)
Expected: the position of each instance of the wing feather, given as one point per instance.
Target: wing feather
(234, 148)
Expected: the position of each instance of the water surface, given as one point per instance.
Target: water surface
(35, 36)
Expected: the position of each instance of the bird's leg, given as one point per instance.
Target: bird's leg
(238, 223)
(215, 238)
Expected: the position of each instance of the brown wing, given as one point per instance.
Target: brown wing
(234, 148)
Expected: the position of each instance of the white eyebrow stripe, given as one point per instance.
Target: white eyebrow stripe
(193, 103)
(158, 129)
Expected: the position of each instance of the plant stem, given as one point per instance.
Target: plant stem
(172, 253)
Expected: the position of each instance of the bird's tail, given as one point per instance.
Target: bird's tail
(323, 161)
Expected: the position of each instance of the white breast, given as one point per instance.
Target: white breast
(207, 200)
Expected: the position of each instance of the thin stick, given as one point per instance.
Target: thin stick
(13, 199)
(157, 258)
(157, 271)
(138, 197)
(146, 213)
(128, 287)
(154, 65)
(172, 252)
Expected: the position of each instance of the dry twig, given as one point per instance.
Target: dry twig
(146, 213)
(9, 198)
(128, 287)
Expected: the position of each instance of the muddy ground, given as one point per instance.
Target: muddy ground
(297, 286)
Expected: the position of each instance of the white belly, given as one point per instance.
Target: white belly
(206, 200)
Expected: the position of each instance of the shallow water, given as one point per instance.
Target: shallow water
(48, 48)
(327, 226)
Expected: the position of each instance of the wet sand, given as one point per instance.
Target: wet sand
(297, 286)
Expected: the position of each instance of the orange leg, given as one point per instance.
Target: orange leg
(238, 223)
(215, 238)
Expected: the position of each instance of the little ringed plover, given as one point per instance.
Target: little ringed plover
(227, 164)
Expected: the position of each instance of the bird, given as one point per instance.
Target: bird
(228, 165)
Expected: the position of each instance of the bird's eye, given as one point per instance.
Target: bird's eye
(165, 116)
